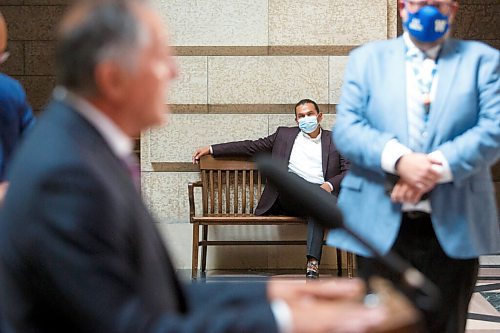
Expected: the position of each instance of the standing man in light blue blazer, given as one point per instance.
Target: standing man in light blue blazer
(419, 119)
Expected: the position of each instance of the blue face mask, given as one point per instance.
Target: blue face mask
(427, 24)
(308, 124)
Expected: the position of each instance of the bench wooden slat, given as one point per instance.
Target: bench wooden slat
(219, 191)
(231, 219)
(228, 189)
(236, 203)
(244, 192)
(204, 189)
(251, 188)
(212, 191)
(226, 163)
(268, 242)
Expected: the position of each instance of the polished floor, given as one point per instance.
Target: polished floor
(484, 309)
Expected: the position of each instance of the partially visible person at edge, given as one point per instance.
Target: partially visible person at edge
(79, 251)
(419, 119)
(309, 152)
(15, 113)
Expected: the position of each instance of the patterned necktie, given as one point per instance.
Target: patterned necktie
(132, 165)
(424, 70)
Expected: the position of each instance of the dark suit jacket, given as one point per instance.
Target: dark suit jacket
(79, 251)
(15, 118)
(280, 146)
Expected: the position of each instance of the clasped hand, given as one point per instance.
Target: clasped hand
(419, 173)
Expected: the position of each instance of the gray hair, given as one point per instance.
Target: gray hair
(103, 30)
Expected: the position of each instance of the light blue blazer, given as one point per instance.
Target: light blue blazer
(464, 125)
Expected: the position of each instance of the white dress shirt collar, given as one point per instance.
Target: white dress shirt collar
(118, 141)
(316, 139)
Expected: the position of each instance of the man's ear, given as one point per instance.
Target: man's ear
(111, 80)
(319, 117)
(402, 10)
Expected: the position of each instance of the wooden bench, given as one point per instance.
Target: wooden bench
(230, 189)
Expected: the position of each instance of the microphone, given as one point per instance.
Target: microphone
(318, 203)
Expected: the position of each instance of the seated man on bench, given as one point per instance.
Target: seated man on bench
(310, 153)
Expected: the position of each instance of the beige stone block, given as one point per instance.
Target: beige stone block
(341, 22)
(166, 195)
(191, 85)
(276, 120)
(40, 58)
(267, 80)
(177, 239)
(337, 67)
(177, 141)
(145, 156)
(216, 23)
(392, 18)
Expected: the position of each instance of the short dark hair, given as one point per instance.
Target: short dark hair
(108, 29)
(306, 101)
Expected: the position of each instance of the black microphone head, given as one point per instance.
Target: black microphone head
(312, 199)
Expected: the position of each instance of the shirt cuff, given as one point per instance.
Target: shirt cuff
(331, 186)
(211, 150)
(282, 315)
(393, 150)
(443, 169)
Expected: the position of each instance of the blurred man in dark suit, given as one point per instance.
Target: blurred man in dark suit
(15, 113)
(79, 251)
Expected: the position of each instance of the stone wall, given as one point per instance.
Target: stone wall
(243, 66)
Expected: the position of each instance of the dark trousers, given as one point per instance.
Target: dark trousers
(315, 232)
(456, 278)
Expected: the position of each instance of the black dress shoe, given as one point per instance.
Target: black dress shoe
(312, 271)
(312, 275)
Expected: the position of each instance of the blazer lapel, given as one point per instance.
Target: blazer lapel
(395, 76)
(447, 68)
(290, 140)
(326, 141)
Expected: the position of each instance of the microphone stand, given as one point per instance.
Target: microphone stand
(319, 205)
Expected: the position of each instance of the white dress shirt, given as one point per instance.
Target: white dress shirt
(393, 149)
(305, 159)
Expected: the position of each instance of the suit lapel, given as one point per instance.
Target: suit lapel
(290, 140)
(396, 65)
(325, 148)
(447, 68)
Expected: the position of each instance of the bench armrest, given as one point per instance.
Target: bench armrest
(191, 187)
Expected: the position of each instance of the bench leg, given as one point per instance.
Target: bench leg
(194, 259)
(204, 249)
(350, 265)
(339, 263)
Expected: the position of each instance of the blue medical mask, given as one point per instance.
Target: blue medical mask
(427, 24)
(308, 124)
